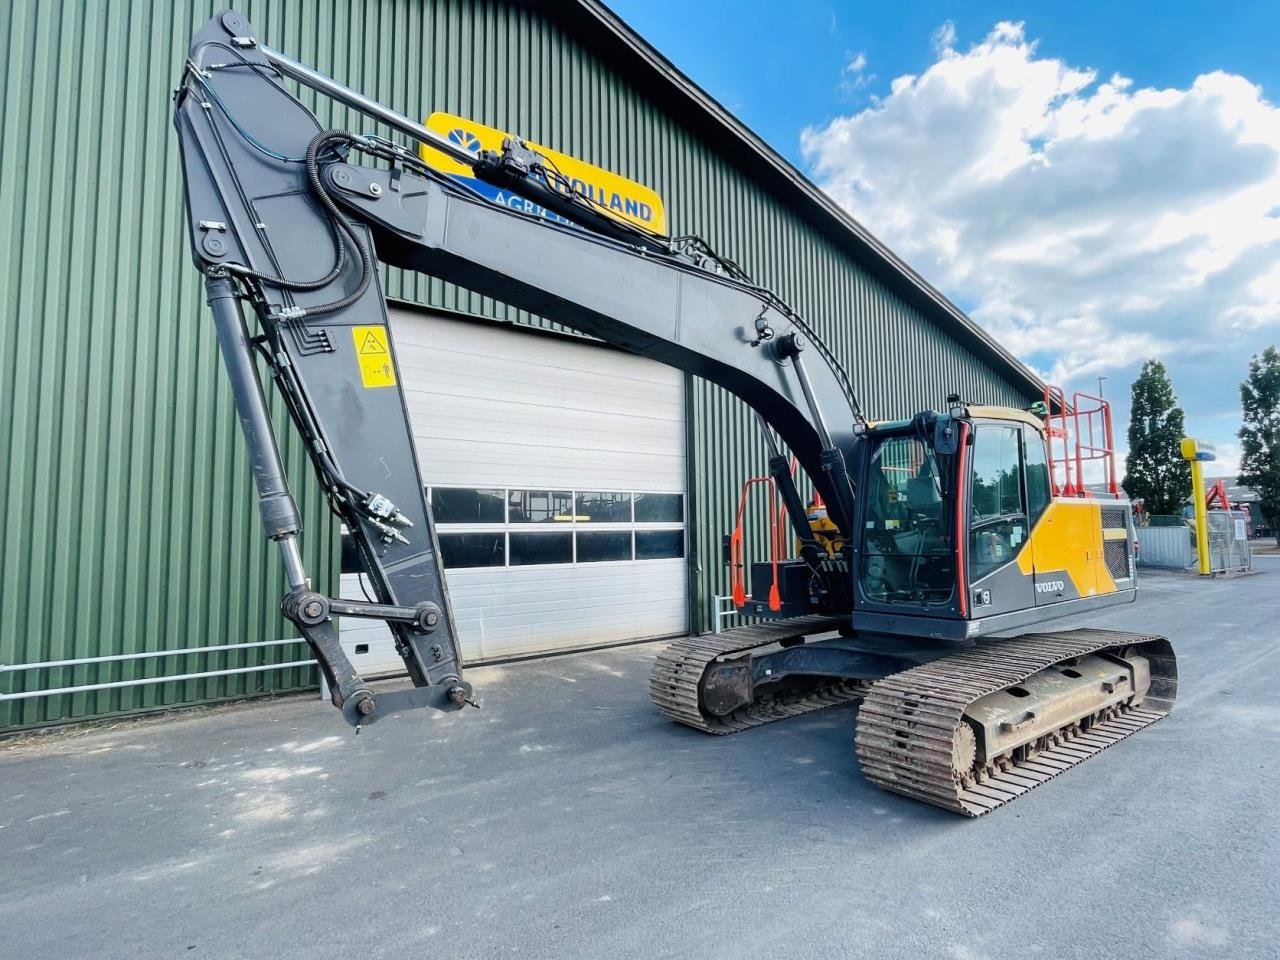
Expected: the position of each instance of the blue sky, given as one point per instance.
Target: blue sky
(1111, 183)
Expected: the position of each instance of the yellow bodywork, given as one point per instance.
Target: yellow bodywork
(1069, 537)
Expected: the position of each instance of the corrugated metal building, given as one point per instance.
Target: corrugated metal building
(129, 523)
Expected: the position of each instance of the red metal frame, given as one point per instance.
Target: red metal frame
(737, 542)
(962, 520)
(1056, 430)
(1218, 492)
(737, 547)
(1100, 444)
(1082, 430)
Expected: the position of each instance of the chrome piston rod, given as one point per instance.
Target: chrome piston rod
(370, 108)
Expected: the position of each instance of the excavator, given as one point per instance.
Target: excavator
(930, 547)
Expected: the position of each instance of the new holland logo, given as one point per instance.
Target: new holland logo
(1051, 586)
(612, 194)
(465, 139)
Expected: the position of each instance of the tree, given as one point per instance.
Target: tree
(1260, 434)
(1155, 472)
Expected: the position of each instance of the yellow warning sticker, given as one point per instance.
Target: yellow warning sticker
(374, 354)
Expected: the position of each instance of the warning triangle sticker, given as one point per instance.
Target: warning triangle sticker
(372, 344)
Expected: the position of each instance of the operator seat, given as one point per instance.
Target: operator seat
(922, 492)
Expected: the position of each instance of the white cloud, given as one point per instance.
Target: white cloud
(1088, 223)
(854, 76)
(944, 38)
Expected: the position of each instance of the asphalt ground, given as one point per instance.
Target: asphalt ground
(567, 819)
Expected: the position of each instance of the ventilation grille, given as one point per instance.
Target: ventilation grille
(1116, 555)
(1114, 518)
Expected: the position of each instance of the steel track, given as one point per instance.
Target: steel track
(905, 732)
(675, 681)
(906, 729)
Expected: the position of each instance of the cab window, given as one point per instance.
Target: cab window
(998, 516)
(1038, 491)
(907, 554)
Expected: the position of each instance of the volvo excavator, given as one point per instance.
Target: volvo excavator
(930, 542)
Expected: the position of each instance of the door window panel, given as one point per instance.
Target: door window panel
(540, 506)
(907, 555)
(595, 507)
(472, 550)
(467, 505)
(659, 544)
(998, 518)
(659, 508)
(597, 546)
(538, 548)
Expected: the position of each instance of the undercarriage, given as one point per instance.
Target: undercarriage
(965, 729)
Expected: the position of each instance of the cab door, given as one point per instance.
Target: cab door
(999, 525)
(1064, 542)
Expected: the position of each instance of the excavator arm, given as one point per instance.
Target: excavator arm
(293, 219)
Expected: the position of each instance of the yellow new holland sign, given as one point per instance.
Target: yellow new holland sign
(624, 199)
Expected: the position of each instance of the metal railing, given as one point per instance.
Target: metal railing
(1229, 550)
(719, 611)
(143, 681)
(1168, 542)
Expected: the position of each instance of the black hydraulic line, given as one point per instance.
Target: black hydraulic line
(320, 140)
(338, 221)
(531, 181)
(833, 461)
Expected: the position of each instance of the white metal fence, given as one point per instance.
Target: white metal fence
(1173, 547)
(1166, 548)
(1228, 541)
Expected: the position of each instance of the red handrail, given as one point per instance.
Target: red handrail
(1083, 429)
(1217, 491)
(737, 548)
(737, 542)
(1100, 444)
(1056, 429)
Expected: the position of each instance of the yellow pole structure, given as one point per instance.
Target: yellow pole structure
(1196, 452)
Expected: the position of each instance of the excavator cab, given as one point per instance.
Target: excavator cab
(961, 530)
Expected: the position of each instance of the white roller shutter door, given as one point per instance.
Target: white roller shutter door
(557, 473)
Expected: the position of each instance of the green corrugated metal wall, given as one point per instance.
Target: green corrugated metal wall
(129, 522)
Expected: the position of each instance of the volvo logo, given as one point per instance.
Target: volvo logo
(465, 139)
(1051, 586)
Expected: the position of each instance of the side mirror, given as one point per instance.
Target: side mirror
(946, 436)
